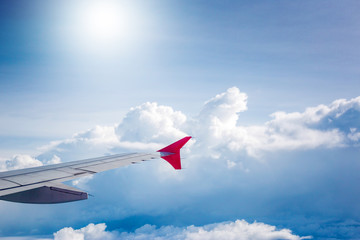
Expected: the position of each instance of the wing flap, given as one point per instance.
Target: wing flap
(54, 193)
(11, 190)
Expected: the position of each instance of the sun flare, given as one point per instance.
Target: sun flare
(103, 21)
(104, 27)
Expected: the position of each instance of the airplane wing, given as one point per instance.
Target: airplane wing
(44, 184)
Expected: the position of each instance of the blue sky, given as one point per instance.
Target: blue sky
(257, 83)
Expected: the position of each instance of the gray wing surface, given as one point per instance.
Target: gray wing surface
(44, 184)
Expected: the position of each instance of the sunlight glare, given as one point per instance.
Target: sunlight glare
(104, 27)
(103, 21)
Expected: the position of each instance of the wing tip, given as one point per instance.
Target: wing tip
(171, 153)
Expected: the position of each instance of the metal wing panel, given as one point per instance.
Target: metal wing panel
(72, 171)
(25, 179)
(7, 184)
(110, 164)
(100, 167)
(66, 164)
(30, 178)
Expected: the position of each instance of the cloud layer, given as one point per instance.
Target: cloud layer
(296, 170)
(239, 229)
(150, 126)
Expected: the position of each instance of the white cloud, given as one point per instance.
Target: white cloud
(240, 229)
(98, 135)
(91, 143)
(354, 135)
(286, 131)
(90, 232)
(219, 136)
(223, 109)
(150, 122)
(19, 162)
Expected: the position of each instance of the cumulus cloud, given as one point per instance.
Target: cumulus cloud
(223, 109)
(150, 122)
(321, 126)
(354, 135)
(90, 232)
(19, 162)
(150, 126)
(144, 128)
(90, 143)
(308, 168)
(240, 229)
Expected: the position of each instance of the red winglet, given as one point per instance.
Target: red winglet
(171, 153)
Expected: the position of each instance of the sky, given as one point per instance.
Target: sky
(269, 91)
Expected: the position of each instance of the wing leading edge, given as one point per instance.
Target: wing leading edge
(43, 185)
